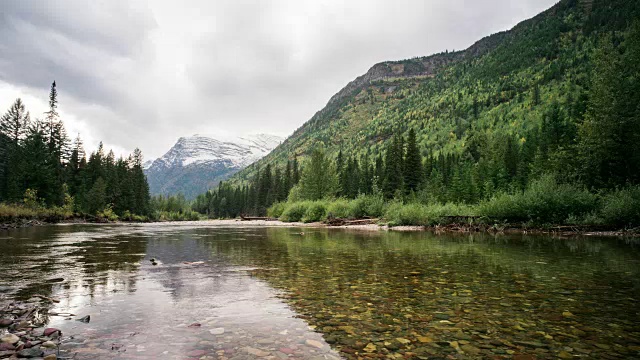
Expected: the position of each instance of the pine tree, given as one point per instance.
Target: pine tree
(393, 168)
(610, 135)
(40, 169)
(140, 185)
(14, 126)
(15, 123)
(288, 181)
(319, 179)
(295, 171)
(412, 164)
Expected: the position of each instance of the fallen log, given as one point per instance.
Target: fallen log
(346, 222)
(251, 218)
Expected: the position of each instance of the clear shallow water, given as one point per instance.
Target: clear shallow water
(273, 293)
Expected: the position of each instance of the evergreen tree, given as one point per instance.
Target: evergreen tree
(14, 126)
(393, 168)
(15, 123)
(610, 135)
(40, 169)
(412, 164)
(318, 179)
(295, 171)
(140, 185)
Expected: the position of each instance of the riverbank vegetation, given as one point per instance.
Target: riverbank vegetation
(549, 143)
(46, 176)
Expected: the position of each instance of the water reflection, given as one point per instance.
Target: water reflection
(192, 304)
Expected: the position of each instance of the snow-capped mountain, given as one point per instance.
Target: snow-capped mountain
(196, 163)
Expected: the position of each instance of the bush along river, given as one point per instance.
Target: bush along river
(193, 291)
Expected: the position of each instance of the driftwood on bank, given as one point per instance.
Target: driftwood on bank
(345, 222)
(250, 218)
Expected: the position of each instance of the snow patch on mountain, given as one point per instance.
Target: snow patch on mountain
(198, 162)
(200, 149)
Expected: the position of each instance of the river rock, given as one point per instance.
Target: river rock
(370, 348)
(314, 343)
(257, 352)
(470, 349)
(564, 355)
(5, 322)
(50, 357)
(425, 339)
(51, 332)
(287, 351)
(48, 344)
(9, 339)
(30, 352)
(6, 346)
(4, 354)
(197, 353)
(217, 331)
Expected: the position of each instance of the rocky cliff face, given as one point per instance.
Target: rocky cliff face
(196, 163)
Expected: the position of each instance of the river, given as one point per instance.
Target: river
(286, 293)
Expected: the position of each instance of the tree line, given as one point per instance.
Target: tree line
(41, 166)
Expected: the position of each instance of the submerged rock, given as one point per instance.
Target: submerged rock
(257, 352)
(30, 352)
(217, 331)
(52, 332)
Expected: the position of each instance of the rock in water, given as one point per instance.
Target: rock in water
(49, 345)
(30, 352)
(197, 353)
(217, 331)
(257, 352)
(52, 332)
(314, 343)
(85, 319)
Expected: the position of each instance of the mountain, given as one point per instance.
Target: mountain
(467, 104)
(196, 163)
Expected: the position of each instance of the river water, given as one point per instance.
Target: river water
(277, 293)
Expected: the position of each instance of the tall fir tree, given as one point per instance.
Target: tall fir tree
(412, 164)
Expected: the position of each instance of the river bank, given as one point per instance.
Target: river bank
(449, 228)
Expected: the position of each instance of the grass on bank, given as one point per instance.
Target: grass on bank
(544, 203)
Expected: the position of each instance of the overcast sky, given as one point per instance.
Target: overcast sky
(143, 73)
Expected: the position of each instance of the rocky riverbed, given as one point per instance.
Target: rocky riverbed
(22, 331)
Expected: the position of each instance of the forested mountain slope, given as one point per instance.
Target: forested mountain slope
(550, 105)
(505, 85)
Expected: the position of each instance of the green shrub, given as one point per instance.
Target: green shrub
(423, 215)
(339, 208)
(406, 214)
(621, 208)
(317, 211)
(107, 214)
(367, 205)
(543, 202)
(276, 210)
(294, 211)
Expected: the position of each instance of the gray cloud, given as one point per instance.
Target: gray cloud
(142, 73)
